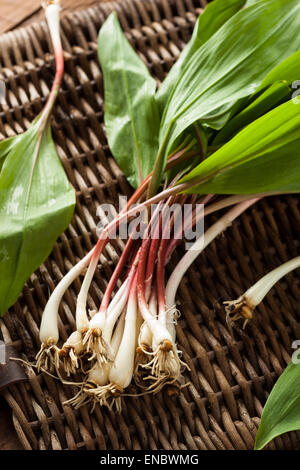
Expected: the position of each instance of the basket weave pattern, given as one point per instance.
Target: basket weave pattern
(229, 377)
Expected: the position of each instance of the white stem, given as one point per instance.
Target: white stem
(145, 338)
(199, 246)
(52, 11)
(106, 323)
(162, 316)
(139, 323)
(82, 321)
(259, 290)
(49, 325)
(74, 341)
(153, 305)
(49, 328)
(122, 369)
(98, 321)
(118, 335)
(113, 317)
(171, 322)
(159, 332)
(99, 374)
(146, 333)
(51, 310)
(116, 299)
(226, 202)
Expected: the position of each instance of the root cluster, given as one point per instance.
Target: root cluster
(153, 371)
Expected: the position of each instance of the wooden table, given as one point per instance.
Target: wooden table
(14, 14)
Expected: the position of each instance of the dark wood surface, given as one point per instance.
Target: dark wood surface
(14, 14)
(8, 437)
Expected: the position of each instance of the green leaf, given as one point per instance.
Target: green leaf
(272, 97)
(264, 157)
(249, 3)
(287, 70)
(36, 205)
(230, 66)
(282, 411)
(5, 147)
(131, 114)
(213, 17)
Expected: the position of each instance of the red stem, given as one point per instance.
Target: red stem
(59, 72)
(144, 256)
(176, 240)
(141, 275)
(160, 278)
(152, 258)
(116, 274)
(161, 260)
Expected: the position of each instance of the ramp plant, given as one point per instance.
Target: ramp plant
(36, 198)
(221, 130)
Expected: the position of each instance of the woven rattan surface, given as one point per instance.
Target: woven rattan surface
(230, 377)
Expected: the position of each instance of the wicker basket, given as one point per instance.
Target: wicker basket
(230, 378)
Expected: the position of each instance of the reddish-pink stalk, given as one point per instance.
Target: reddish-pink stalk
(144, 254)
(150, 246)
(129, 280)
(134, 198)
(152, 259)
(117, 272)
(95, 253)
(132, 272)
(160, 280)
(178, 235)
(162, 257)
(156, 234)
(52, 15)
(141, 279)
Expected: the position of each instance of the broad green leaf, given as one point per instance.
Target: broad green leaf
(281, 413)
(230, 66)
(249, 3)
(7, 144)
(287, 70)
(131, 114)
(272, 97)
(264, 157)
(213, 17)
(5, 147)
(36, 205)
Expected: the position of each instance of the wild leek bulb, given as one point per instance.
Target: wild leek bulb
(244, 306)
